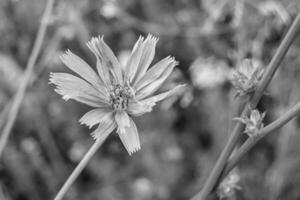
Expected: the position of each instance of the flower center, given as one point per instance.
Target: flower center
(120, 96)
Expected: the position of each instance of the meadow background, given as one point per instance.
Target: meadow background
(182, 138)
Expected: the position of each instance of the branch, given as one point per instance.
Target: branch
(13, 112)
(289, 115)
(271, 69)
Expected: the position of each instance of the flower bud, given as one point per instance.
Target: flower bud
(246, 78)
(253, 123)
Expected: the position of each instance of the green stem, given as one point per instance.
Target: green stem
(13, 112)
(289, 115)
(79, 168)
(271, 69)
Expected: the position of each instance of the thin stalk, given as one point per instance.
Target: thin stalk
(269, 73)
(79, 168)
(289, 115)
(27, 75)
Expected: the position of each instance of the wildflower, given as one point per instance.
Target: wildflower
(208, 72)
(116, 92)
(246, 78)
(254, 123)
(229, 185)
(110, 9)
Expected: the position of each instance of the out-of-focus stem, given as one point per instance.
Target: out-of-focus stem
(269, 73)
(27, 75)
(82, 164)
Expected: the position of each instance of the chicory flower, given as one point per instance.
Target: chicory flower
(117, 93)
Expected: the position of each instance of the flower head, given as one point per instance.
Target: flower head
(253, 123)
(116, 92)
(208, 72)
(246, 78)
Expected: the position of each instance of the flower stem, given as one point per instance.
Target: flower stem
(79, 168)
(233, 161)
(289, 115)
(271, 69)
(27, 75)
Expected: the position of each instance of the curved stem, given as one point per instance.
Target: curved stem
(271, 69)
(29, 69)
(79, 168)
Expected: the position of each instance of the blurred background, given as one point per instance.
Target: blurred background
(182, 138)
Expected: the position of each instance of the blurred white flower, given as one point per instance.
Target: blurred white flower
(208, 72)
(229, 185)
(187, 98)
(116, 92)
(10, 72)
(173, 153)
(77, 151)
(109, 9)
(143, 187)
(29, 144)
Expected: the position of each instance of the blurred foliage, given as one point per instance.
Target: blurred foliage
(183, 137)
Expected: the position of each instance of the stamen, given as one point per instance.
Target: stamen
(120, 96)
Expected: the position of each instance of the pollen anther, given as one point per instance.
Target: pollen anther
(120, 96)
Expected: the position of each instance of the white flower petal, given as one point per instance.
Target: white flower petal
(154, 99)
(130, 138)
(95, 116)
(134, 59)
(107, 61)
(105, 128)
(154, 72)
(79, 66)
(122, 120)
(103, 70)
(146, 58)
(72, 87)
(154, 86)
(112, 60)
(138, 108)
